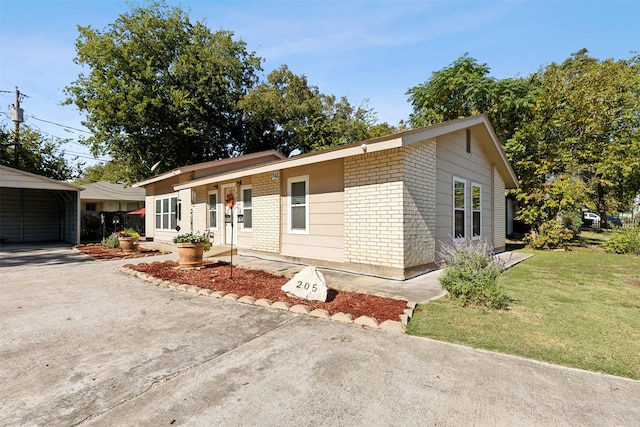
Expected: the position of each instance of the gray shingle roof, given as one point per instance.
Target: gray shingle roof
(105, 190)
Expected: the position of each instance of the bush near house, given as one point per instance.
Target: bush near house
(550, 235)
(624, 241)
(111, 242)
(470, 274)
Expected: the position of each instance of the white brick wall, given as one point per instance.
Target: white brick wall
(266, 213)
(419, 203)
(390, 212)
(373, 209)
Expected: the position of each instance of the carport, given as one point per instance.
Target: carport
(37, 209)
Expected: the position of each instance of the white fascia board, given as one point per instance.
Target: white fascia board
(204, 165)
(16, 178)
(158, 178)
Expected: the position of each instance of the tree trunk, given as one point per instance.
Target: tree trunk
(602, 211)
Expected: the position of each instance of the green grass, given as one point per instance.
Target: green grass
(579, 308)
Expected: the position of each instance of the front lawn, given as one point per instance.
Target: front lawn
(579, 308)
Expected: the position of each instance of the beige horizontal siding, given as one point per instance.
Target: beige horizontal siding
(454, 161)
(325, 239)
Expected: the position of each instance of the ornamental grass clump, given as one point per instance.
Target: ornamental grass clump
(111, 242)
(471, 272)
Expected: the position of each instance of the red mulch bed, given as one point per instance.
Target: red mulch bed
(261, 284)
(98, 252)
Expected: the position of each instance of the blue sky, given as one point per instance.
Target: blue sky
(365, 50)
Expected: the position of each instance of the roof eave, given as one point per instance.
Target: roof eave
(368, 146)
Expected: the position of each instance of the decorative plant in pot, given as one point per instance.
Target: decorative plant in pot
(128, 239)
(191, 248)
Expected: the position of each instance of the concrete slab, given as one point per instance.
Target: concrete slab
(82, 344)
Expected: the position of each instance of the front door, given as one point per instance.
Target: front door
(230, 205)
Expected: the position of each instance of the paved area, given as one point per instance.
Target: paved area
(82, 344)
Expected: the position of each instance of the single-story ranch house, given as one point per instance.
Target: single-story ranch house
(379, 207)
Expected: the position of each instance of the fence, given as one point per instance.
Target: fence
(97, 225)
(611, 223)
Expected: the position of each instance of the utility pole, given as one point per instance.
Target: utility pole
(17, 115)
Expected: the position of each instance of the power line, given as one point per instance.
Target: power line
(58, 124)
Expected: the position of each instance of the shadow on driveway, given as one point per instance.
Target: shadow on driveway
(21, 254)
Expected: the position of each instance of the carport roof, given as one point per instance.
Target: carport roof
(15, 178)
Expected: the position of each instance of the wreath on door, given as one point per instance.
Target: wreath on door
(230, 201)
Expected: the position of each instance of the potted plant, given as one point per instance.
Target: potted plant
(128, 240)
(191, 247)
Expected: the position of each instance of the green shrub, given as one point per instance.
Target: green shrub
(193, 238)
(572, 220)
(624, 241)
(129, 232)
(471, 273)
(550, 235)
(110, 242)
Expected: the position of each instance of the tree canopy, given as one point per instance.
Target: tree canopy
(584, 128)
(570, 130)
(159, 87)
(36, 154)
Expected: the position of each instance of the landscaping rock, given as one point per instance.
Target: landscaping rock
(320, 313)
(263, 302)
(342, 317)
(300, 309)
(247, 300)
(366, 321)
(281, 305)
(308, 284)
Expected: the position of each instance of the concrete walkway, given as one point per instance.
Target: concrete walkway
(82, 344)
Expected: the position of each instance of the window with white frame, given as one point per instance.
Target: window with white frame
(247, 208)
(166, 213)
(213, 211)
(459, 195)
(298, 204)
(476, 209)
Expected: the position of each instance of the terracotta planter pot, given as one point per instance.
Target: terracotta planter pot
(127, 244)
(190, 255)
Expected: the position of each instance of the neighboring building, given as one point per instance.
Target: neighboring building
(105, 208)
(379, 207)
(37, 209)
(105, 196)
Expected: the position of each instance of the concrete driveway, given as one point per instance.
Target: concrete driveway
(82, 344)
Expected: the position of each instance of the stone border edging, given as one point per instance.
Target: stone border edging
(133, 255)
(364, 321)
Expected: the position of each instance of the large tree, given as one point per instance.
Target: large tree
(571, 130)
(459, 90)
(107, 171)
(464, 88)
(288, 114)
(585, 126)
(278, 109)
(36, 154)
(160, 87)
